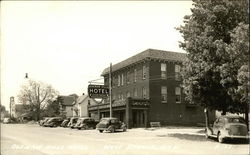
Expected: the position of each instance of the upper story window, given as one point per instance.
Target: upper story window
(128, 93)
(135, 75)
(177, 95)
(119, 96)
(122, 79)
(113, 81)
(122, 97)
(163, 70)
(144, 92)
(177, 72)
(163, 94)
(128, 77)
(135, 92)
(144, 72)
(106, 80)
(119, 80)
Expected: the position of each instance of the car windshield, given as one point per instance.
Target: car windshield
(105, 121)
(80, 120)
(235, 120)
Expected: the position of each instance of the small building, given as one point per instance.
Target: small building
(67, 104)
(147, 88)
(81, 107)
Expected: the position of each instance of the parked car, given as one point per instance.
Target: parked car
(53, 122)
(41, 122)
(6, 120)
(228, 127)
(72, 122)
(85, 123)
(65, 122)
(111, 124)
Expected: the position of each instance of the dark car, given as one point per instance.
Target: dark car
(53, 122)
(72, 122)
(85, 123)
(111, 124)
(65, 122)
(228, 127)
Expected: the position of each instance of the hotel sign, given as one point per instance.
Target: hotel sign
(98, 91)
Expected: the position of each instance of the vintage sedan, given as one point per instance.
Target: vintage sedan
(85, 123)
(111, 124)
(228, 127)
(65, 122)
(72, 122)
(41, 122)
(53, 122)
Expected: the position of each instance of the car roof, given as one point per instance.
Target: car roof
(109, 118)
(227, 116)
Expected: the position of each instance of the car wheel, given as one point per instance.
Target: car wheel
(86, 127)
(206, 134)
(100, 131)
(124, 129)
(112, 129)
(220, 139)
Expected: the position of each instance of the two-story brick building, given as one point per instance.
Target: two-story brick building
(146, 88)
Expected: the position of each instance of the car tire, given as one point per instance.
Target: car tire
(206, 134)
(100, 131)
(124, 129)
(220, 139)
(112, 129)
(86, 127)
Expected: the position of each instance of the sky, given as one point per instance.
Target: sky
(69, 43)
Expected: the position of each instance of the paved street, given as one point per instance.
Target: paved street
(30, 139)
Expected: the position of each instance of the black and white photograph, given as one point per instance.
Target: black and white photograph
(124, 77)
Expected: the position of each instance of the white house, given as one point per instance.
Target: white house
(81, 107)
(67, 105)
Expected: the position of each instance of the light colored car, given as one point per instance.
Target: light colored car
(6, 120)
(228, 127)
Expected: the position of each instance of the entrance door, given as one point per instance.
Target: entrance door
(138, 118)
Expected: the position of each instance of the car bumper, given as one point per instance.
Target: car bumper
(101, 129)
(236, 137)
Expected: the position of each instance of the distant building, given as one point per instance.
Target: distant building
(146, 88)
(81, 107)
(67, 104)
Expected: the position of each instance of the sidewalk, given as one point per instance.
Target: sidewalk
(173, 129)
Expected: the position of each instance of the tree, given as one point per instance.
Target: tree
(53, 108)
(3, 111)
(36, 95)
(208, 34)
(235, 72)
(2, 108)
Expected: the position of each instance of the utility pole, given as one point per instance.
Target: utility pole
(110, 88)
(10, 107)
